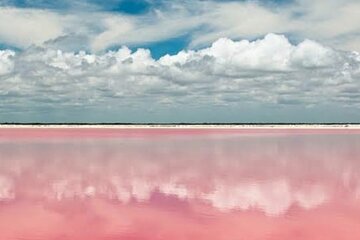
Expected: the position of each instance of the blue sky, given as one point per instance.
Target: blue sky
(180, 60)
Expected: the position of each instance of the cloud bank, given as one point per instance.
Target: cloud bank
(269, 71)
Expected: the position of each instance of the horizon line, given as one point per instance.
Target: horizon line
(180, 123)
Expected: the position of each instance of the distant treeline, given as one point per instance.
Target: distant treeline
(171, 124)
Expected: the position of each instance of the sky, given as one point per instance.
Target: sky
(180, 61)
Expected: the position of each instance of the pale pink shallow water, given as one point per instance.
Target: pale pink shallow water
(230, 184)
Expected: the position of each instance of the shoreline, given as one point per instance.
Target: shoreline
(186, 126)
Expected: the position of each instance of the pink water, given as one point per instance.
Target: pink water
(223, 184)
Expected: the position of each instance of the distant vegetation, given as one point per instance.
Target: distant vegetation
(172, 124)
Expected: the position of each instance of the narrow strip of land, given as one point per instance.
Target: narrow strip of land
(190, 126)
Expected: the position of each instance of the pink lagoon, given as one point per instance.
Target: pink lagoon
(179, 183)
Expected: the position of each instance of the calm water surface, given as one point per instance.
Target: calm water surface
(97, 184)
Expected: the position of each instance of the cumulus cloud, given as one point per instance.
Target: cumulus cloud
(6, 64)
(267, 71)
(273, 53)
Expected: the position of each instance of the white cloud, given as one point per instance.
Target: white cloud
(325, 22)
(268, 71)
(117, 29)
(301, 18)
(98, 30)
(156, 26)
(23, 27)
(239, 20)
(49, 27)
(203, 21)
(312, 54)
(6, 64)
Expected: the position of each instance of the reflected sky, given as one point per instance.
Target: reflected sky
(179, 184)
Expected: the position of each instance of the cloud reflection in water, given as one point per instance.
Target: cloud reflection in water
(176, 184)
